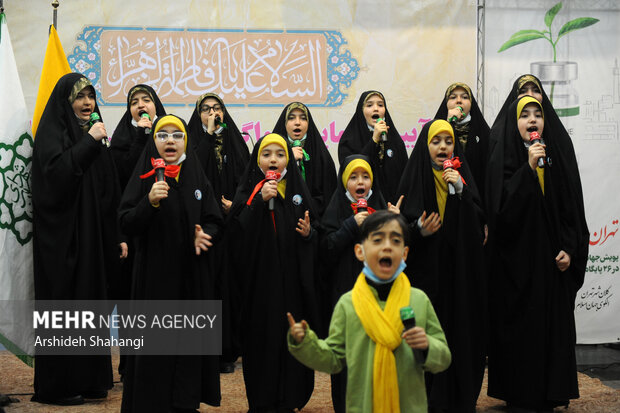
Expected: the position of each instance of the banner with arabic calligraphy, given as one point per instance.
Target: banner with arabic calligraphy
(253, 67)
(584, 83)
(259, 56)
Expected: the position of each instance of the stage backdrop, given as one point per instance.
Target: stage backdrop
(260, 55)
(584, 78)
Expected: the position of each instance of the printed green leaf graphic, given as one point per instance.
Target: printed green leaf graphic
(551, 14)
(579, 23)
(515, 40)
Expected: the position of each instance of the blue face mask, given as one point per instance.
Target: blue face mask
(371, 275)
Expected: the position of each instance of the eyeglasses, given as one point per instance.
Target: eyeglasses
(215, 108)
(164, 136)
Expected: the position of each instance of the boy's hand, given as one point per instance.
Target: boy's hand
(298, 330)
(431, 224)
(562, 261)
(416, 338)
(202, 240)
(395, 208)
(124, 250)
(226, 204)
(159, 191)
(303, 225)
(360, 217)
(269, 190)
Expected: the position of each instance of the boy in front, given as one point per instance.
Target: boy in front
(366, 332)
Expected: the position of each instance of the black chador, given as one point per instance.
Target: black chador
(166, 267)
(276, 275)
(317, 166)
(449, 266)
(222, 154)
(129, 139)
(387, 158)
(533, 216)
(472, 132)
(75, 195)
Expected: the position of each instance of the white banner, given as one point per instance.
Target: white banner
(582, 72)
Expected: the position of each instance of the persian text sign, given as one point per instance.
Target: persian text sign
(243, 67)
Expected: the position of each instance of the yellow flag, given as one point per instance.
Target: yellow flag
(55, 65)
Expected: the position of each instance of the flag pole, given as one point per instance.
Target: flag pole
(55, 5)
(1, 6)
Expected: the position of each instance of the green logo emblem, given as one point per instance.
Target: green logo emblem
(16, 199)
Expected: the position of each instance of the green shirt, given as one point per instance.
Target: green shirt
(348, 344)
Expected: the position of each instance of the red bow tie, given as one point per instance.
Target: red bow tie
(171, 171)
(354, 208)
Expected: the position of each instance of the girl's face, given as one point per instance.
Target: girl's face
(530, 89)
(441, 148)
(374, 108)
(141, 103)
(359, 183)
(531, 120)
(296, 124)
(272, 157)
(84, 103)
(208, 106)
(459, 97)
(170, 143)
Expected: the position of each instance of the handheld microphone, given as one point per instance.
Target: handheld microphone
(407, 316)
(95, 118)
(271, 176)
(455, 118)
(160, 167)
(146, 115)
(447, 164)
(218, 120)
(383, 134)
(362, 205)
(535, 138)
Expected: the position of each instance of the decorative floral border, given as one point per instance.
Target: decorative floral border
(342, 68)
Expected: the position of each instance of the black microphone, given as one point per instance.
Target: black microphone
(146, 115)
(407, 316)
(271, 176)
(535, 138)
(383, 134)
(218, 120)
(362, 205)
(160, 167)
(95, 118)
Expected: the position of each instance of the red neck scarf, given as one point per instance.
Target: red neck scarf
(171, 171)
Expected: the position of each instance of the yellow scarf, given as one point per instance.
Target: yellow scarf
(541, 178)
(385, 328)
(441, 190)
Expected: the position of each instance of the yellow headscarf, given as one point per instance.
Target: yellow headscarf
(177, 123)
(441, 186)
(525, 100)
(268, 140)
(384, 327)
(353, 165)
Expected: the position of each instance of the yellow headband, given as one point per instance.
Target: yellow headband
(525, 100)
(437, 127)
(268, 140)
(352, 166)
(171, 120)
(456, 85)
